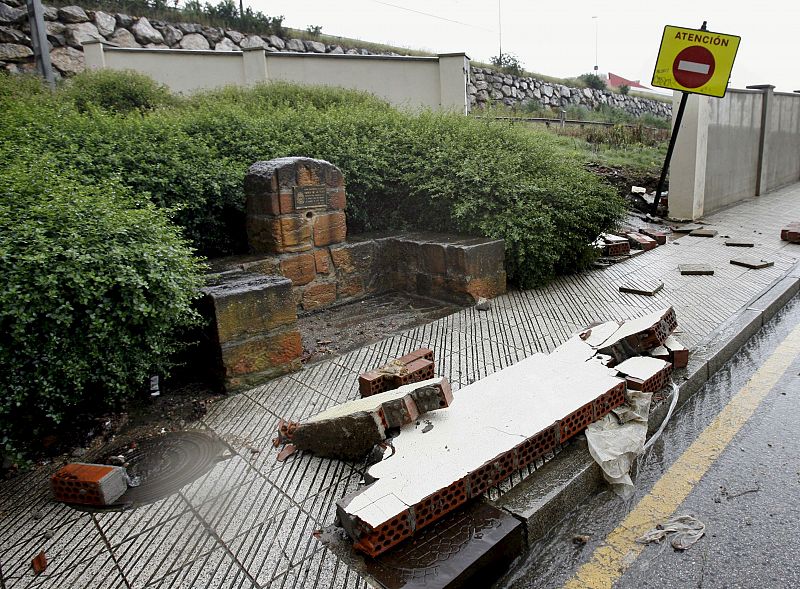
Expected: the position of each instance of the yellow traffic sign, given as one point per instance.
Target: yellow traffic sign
(696, 61)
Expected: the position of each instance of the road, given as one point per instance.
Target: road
(731, 458)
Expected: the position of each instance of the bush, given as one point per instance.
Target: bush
(117, 91)
(593, 81)
(624, 89)
(94, 284)
(508, 63)
(403, 170)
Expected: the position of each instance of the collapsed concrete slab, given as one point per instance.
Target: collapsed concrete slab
(500, 424)
(351, 430)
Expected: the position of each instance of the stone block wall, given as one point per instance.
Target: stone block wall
(488, 87)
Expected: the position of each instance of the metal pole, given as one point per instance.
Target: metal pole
(671, 147)
(39, 41)
(595, 43)
(663, 178)
(500, 32)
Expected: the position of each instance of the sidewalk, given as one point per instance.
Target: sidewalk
(249, 522)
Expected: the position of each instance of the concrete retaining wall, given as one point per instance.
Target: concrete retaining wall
(733, 148)
(411, 82)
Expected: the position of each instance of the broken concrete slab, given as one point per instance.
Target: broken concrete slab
(644, 287)
(483, 442)
(473, 548)
(647, 374)
(672, 351)
(752, 263)
(739, 243)
(89, 484)
(696, 269)
(703, 233)
(637, 336)
(351, 430)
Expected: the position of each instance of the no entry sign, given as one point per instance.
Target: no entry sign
(695, 61)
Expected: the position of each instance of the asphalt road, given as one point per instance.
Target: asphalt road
(737, 443)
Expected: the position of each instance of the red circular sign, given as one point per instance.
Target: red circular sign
(693, 66)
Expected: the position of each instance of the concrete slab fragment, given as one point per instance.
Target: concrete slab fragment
(739, 243)
(646, 288)
(752, 263)
(703, 233)
(696, 269)
(686, 228)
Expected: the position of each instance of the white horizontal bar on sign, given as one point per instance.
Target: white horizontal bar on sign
(694, 67)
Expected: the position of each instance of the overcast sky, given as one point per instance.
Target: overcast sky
(557, 37)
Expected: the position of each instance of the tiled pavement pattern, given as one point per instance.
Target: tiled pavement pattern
(249, 522)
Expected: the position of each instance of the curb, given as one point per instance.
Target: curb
(547, 496)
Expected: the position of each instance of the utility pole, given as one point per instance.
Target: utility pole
(500, 31)
(596, 68)
(39, 41)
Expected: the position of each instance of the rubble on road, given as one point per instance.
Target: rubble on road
(351, 430)
(89, 484)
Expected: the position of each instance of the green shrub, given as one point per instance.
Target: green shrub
(94, 285)
(593, 81)
(118, 91)
(624, 89)
(509, 64)
(403, 170)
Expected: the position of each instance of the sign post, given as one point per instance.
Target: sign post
(694, 61)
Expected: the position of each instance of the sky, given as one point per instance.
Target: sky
(557, 38)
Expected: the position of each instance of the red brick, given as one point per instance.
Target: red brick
(329, 228)
(659, 236)
(300, 269)
(88, 484)
(425, 353)
(319, 295)
(417, 370)
(640, 241)
(371, 383)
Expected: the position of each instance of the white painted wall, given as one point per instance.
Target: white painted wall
(439, 83)
(732, 148)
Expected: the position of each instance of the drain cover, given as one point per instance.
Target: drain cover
(166, 463)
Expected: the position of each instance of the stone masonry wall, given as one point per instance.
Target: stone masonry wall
(489, 87)
(71, 26)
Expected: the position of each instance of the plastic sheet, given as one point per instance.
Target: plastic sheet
(616, 440)
(685, 530)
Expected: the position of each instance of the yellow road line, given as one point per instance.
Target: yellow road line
(620, 550)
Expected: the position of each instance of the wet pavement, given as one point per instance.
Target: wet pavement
(748, 500)
(249, 521)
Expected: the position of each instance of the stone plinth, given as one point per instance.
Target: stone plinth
(294, 204)
(252, 328)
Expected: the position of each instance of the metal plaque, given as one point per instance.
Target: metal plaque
(309, 197)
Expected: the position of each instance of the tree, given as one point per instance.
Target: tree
(508, 63)
(624, 89)
(593, 81)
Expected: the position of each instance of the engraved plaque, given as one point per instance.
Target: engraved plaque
(309, 197)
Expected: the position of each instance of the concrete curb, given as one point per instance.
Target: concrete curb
(546, 497)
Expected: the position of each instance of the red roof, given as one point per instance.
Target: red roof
(616, 81)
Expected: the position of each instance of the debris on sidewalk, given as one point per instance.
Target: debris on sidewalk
(659, 236)
(703, 233)
(696, 269)
(39, 563)
(646, 288)
(740, 243)
(501, 423)
(613, 245)
(483, 304)
(672, 351)
(752, 263)
(643, 373)
(688, 228)
(686, 530)
(641, 241)
(791, 232)
(415, 366)
(89, 484)
(351, 430)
